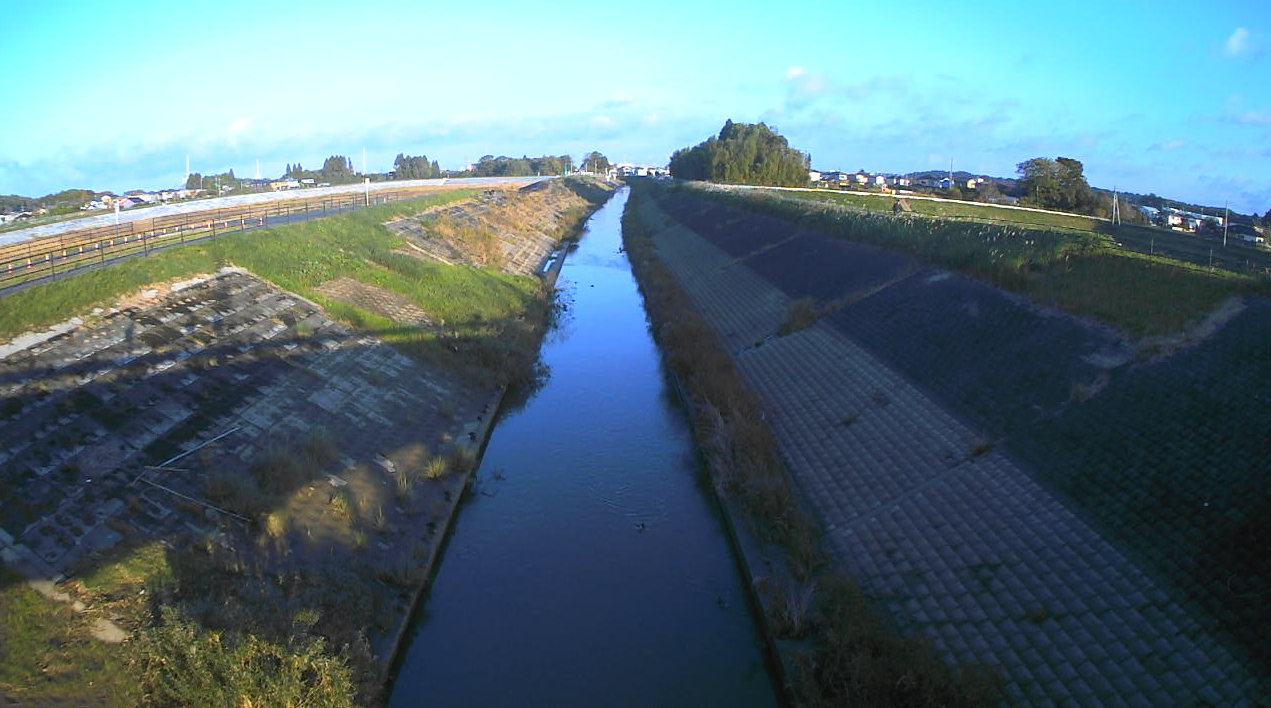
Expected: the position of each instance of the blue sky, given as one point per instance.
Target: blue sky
(1168, 97)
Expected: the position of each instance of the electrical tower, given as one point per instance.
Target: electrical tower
(1116, 207)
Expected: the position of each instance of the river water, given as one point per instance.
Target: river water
(590, 568)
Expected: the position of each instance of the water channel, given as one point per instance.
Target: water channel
(590, 567)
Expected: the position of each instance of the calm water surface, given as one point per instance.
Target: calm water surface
(591, 568)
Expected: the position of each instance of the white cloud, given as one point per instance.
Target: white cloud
(1240, 42)
(794, 72)
(1167, 145)
(1253, 117)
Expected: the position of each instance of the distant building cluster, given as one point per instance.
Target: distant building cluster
(887, 182)
(629, 170)
(1191, 222)
(107, 200)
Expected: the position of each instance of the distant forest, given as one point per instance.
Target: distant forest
(743, 153)
(65, 201)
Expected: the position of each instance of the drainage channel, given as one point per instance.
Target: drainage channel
(589, 565)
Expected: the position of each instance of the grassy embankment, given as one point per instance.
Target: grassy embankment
(476, 304)
(849, 655)
(970, 211)
(1077, 271)
(211, 626)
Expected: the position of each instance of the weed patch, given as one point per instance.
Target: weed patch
(803, 313)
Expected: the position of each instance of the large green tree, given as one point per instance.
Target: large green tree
(1057, 184)
(596, 162)
(408, 167)
(743, 153)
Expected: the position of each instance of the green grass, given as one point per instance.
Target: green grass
(477, 305)
(1080, 272)
(1139, 293)
(290, 256)
(47, 654)
(132, 569)
(974, 211)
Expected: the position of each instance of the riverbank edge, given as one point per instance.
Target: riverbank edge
(829, 638)
(390, 660)
(751, 552)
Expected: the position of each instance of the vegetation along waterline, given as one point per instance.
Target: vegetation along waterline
(836, 647)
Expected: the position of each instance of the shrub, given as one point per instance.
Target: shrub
(858, 660)
(183, 665)
(803, 313)
(235, 490)
(405, 483)
(436, 468)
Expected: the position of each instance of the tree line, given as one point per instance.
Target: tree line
(743, 153)
(407, 167)
(503, 166)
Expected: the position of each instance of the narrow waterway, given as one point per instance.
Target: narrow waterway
(591, 567)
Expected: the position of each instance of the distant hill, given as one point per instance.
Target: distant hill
(65, 200)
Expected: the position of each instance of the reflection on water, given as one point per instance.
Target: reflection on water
(590, 568)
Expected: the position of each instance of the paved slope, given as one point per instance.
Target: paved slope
(967, 548)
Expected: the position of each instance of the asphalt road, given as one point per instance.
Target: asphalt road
(108, 218)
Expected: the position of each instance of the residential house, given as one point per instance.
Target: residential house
(814, 176)
(281, 184)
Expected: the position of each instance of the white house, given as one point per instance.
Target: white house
(814, 176)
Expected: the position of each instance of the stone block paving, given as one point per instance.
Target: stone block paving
(86, 414)
(718, 286)
(381, 301)
(527, 224)
(962, 547)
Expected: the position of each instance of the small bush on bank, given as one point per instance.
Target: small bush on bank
(184, 665)
(803, 313)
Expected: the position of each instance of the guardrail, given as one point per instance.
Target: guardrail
(24, 262)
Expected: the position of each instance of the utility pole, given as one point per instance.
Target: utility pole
(1116, 207)
(1226, 219)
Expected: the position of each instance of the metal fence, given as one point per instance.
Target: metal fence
(51, 256)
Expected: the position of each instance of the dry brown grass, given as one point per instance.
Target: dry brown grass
(803, 313)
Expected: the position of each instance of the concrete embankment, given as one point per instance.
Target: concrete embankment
(260, 454)
(937, 426)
